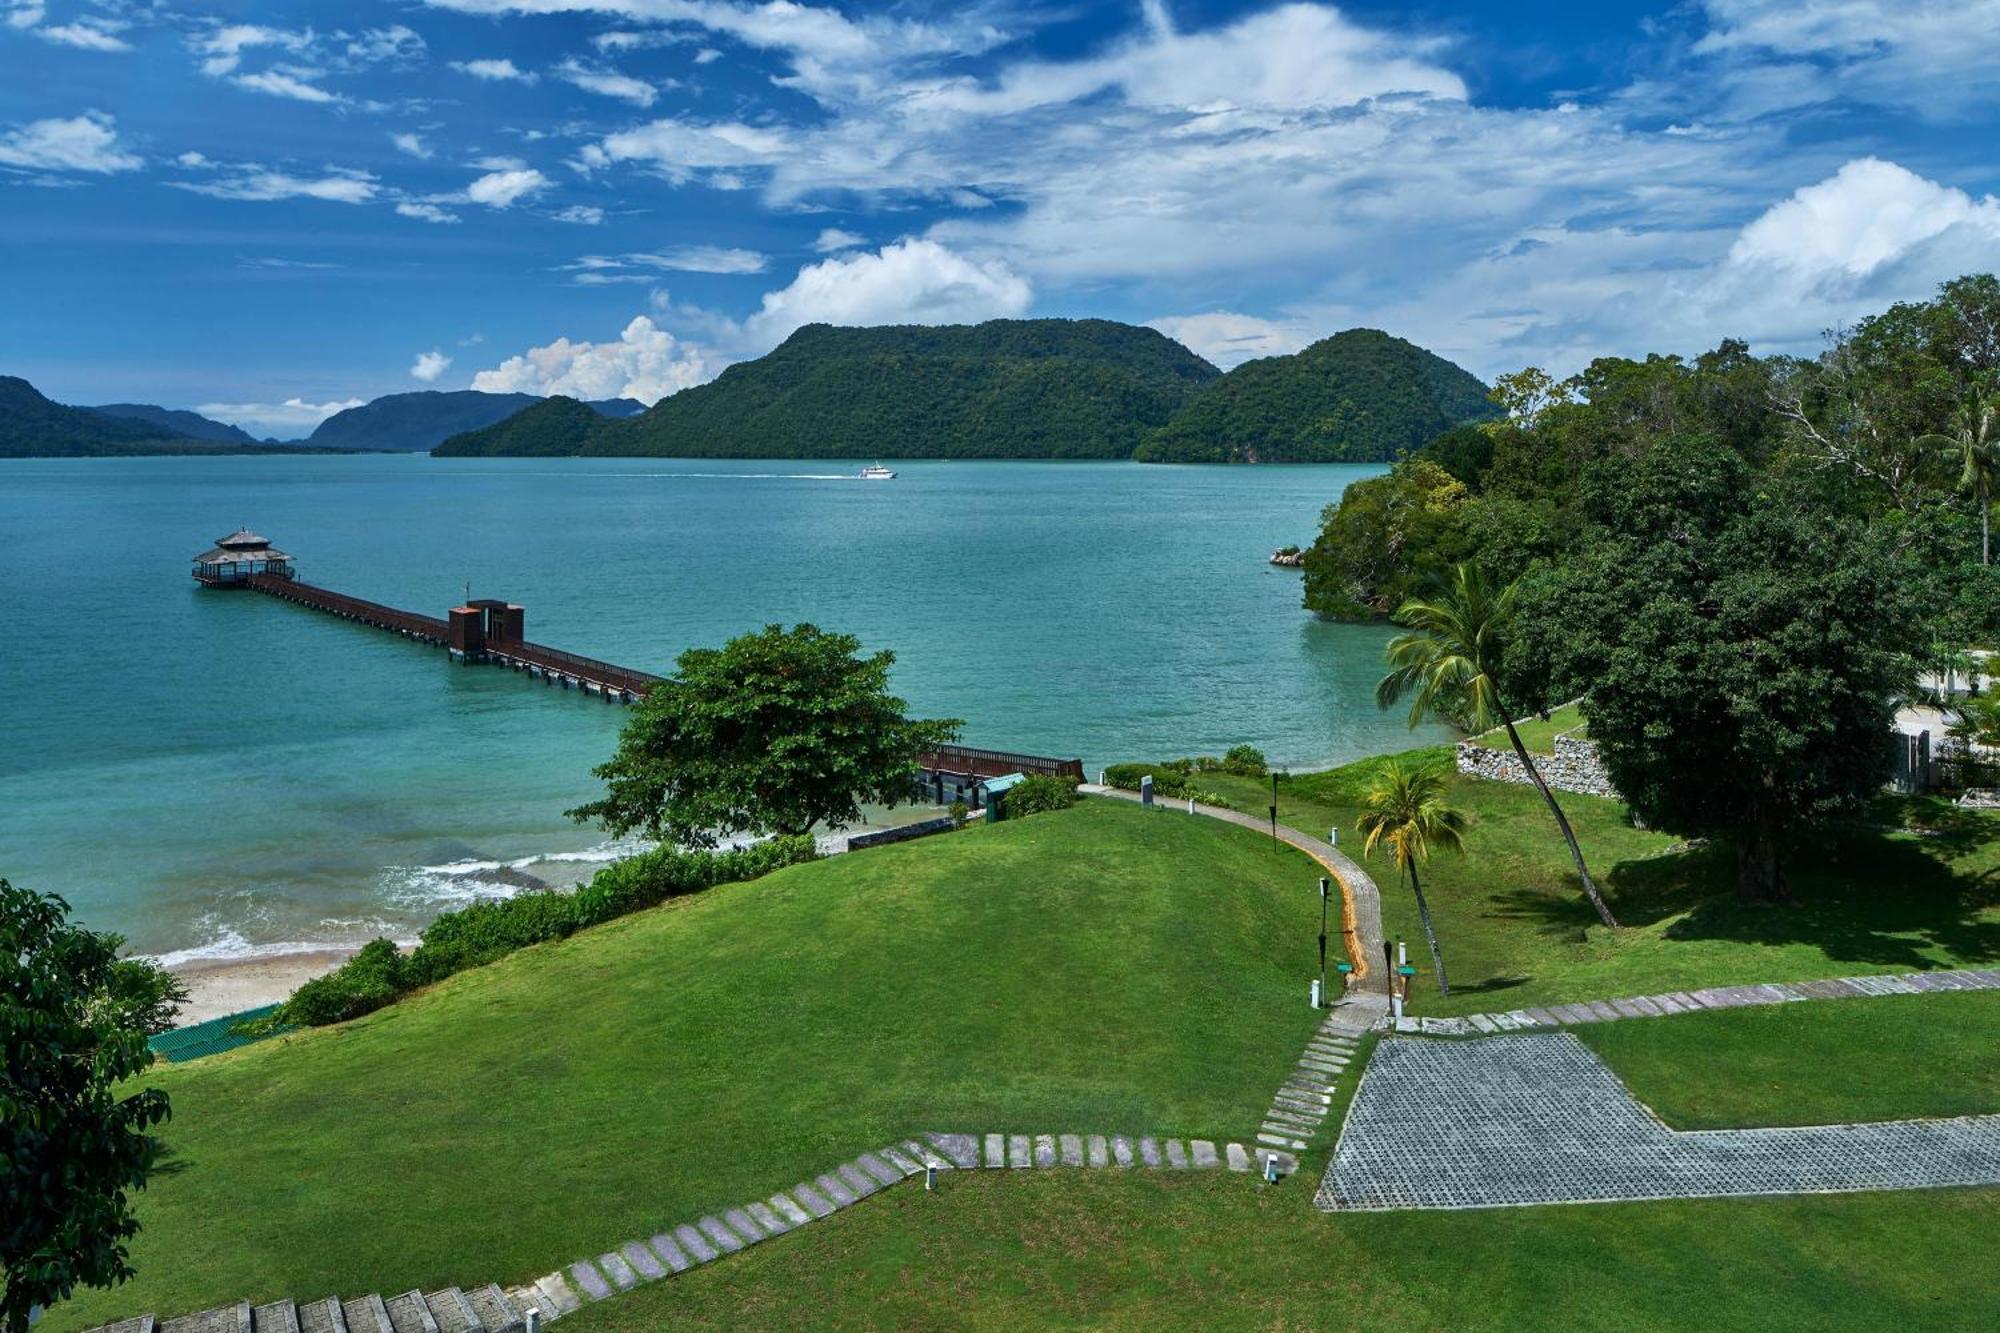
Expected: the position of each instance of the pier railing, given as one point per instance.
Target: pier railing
(429, 628)
(995, 763)
(519, 652)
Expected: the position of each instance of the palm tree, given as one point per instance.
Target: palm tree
(1449, 665)
(1406, 809)
(1974, 443)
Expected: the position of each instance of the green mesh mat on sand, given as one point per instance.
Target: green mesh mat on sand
(199, 1039)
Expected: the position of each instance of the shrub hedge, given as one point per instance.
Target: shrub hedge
(1038, 793)
(1173, 779)
(379, 974)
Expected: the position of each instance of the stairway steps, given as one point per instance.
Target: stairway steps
(322, 1316)
(276, 1317)
(496, 1313)
(409, 1314)
(450, 1312)
(366, 1314)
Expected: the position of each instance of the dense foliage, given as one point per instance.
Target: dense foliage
(774, 732)
(485, 931)
(1739, 562)
(1039, 793)
(1360, 396)
(1174, 779)
(1039, 388)
(1744, 651)
(427, 418)
(73, 1143)
(550, 428)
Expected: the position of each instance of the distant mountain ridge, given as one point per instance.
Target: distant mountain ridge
(1036, 388)
(32, 426)
(191, 424)
(1361, 396)
(427, 418)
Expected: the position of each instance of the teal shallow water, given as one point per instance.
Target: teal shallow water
(215, 772)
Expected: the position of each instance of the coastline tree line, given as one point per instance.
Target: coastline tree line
(1741, 564)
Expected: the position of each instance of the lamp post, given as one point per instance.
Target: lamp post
(1323, 895)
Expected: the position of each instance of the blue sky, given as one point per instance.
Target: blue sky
(269, 211)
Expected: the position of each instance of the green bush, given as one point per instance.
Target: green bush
(364, 983)
(1168, 781)
(489, 930)
(1038, 793)
(1245, 761)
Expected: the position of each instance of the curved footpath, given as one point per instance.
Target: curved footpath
(1361, 901)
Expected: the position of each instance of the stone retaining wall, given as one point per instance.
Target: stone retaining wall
(1574, 767)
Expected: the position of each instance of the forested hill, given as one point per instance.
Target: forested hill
(31, 426)
(1360, 396)
(425, 419)
(1039, 388)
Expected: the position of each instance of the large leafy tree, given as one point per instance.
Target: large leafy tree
(1406, 810)
(1742, 652)
(774, 732)
(73, 1026)
(1449, 665)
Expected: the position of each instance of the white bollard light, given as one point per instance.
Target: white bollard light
(534, 1324)
(930, 1177)
(1315, 993)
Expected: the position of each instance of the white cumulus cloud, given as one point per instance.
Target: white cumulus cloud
(910, 282)
(411, 143)
(262, 185)
(88, 142)
(1226, 338)
(423, 212)
(87, 34)
(290, 82)
(495, 71)
(1867, 214)
(502, 189)
(607, 82)
(834, 239)
(646, 363)
(429, 365)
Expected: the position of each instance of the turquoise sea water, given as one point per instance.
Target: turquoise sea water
(219, 772)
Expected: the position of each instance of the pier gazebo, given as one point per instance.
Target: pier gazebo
(239, 555)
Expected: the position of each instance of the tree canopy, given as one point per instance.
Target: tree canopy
(73, 1025)
(775, 732)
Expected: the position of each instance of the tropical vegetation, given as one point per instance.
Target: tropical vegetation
(776, 732)
(1406, 811)
(76, 1141)
(1039, 388)
(1360, 396)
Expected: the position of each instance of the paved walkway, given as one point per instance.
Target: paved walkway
(1694, 1001)
(1539, 1119)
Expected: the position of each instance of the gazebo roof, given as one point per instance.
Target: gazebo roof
(223, 555)
(241, 539)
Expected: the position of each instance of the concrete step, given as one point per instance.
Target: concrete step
(276, 1317)
(367, 1314)
(496, 1313)
(322, 1316)
(409, 1314)
(450, 1312)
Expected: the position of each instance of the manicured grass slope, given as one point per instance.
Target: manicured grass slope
(1537, 735)
(1893, 1058)
(1005, 1251)
(1516, 931)
(1102, 968)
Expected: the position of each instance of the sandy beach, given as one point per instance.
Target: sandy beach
(220, 986)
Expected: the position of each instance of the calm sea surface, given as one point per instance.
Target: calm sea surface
(219, 772)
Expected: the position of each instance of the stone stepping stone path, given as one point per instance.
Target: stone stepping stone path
(703, 1241)
(1540, 1120)
(1688, 1002)
(1299, 1107)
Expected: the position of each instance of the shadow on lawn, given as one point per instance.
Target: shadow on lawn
(1862, 897)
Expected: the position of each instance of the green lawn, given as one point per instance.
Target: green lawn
(1818, 1063)
(1516, 930)
(1537, 735)
(1131, 1250)
(1098, 969)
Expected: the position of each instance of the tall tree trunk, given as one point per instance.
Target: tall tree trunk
(1430, 931)
(1562, 822)
(1760, 873)
(1985, 519)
